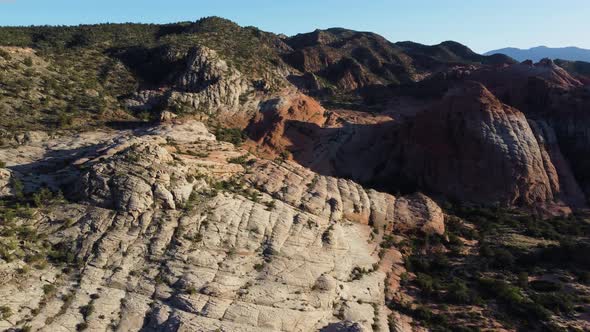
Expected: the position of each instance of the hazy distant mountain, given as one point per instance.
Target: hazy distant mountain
(538, 53)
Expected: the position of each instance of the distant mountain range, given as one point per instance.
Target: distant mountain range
(540, 52)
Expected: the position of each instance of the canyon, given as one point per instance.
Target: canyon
(204, 176)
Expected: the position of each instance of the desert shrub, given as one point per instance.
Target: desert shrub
(423, 313)
(557, 302)
(241, 160)
(18, 188)
(455, 243)
(5, 312)
(42, 197)
(87, 310)
(502, 290)
(421, 263)
(426, 283)
(64, 120)
(513, 299)
(568, 255)
(191, 290)
(231, 135)
(27, 233)
(499, 257)
(455, 228)
(48, 289)
(4, 54)
(388, 241)
(81, 326)
(284, 155)
(28, 61)
(61, 253)
(460, 293)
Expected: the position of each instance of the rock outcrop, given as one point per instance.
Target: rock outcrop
(162, 233)
(469, 146)
(206, 84)
(291, 121)
(449, 149)
(210, 84)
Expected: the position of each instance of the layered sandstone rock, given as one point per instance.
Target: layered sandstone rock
(169, 236)
(469, 146)
(473, 147)
(291, 121)
(206, 84)
(209, 83)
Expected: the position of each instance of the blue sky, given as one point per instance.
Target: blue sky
(481, 25)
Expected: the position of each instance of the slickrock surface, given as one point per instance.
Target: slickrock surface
(167, 229)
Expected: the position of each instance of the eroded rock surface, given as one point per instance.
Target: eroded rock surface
(206, 84)
(162, 233)
(468, 146)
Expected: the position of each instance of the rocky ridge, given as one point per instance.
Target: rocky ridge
(163, 233)
(207, 85)
(167, 228)
(457, 132)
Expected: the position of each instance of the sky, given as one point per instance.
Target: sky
(481, 25)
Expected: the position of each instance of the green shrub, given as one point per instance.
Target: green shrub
(460, 293)
(498, 257)
(43, 197)
(5, 312)
(514, 301)
(81, 326)
(27, 233)
(87, 310)
(64, 120)
(284, 155)
(62, 253)
(423, 313)
(191, 290)
(18, 188)
(558, 302)
(28, 61)
(49, 289)
(4, 54)
(502, 290)
(426, 283)
(231, 135)
(241, 160)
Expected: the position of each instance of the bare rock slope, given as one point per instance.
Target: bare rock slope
(168, 229)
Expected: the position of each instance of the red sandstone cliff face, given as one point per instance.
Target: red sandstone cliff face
(290, 122)
(548, 94)
(469, 146)
(473, 147)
